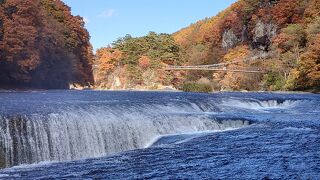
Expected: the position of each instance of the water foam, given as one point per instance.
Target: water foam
(257, 104)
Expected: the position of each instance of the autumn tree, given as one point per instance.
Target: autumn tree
(106, 60)
(283, 23)
(309, 66)
(279, 37)
(312, 11)
(288, 12)
(144, 62)
(76, 39)
(293, 36)
(42, 45)
(19, 41)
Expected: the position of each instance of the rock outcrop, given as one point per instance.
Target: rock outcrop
(263, 34)
(229, 39)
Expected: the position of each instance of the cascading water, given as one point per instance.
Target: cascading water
(83, 125)
(75, 133)
(256, 104)
(179, 135)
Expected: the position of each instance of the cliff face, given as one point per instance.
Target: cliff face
(42, 46)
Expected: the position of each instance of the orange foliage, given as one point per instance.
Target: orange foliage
(312, 11)
(287, 12)
(144, 62)
(107, 59)
(281, 40)
(209, 31)
(288, 17)
(237, 53)
(233, 21)
(310, 65)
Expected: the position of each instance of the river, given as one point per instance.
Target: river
(165, 135)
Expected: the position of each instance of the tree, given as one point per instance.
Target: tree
(144, 62)
(287, 12)
(237, 53)
(42, 45)
(309, 66)
(293, 36)
(312, 11)
(19, 41)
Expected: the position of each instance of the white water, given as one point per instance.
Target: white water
(258, 105)
(94, 132)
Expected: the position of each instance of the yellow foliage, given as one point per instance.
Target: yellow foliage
(292, 79)
(237, 53)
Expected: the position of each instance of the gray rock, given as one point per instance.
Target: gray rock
(263, 33)
(229, 39)
(245, 34)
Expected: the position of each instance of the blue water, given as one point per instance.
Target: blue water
(194, 136)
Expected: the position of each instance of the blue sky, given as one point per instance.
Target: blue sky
(108, 20)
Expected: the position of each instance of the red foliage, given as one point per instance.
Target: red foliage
(42, 45)
(287, 12)
(280, 41)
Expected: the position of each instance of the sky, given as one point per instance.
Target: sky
(107, 20)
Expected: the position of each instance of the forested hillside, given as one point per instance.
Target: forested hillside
(42, 45)
(279, 37)
(137, 63)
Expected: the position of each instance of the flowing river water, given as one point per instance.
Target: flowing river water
(107, 135)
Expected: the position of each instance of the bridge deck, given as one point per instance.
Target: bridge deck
(215, 67)
(210, 68)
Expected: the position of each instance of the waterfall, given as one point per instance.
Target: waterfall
(256, 104)
(76, 133)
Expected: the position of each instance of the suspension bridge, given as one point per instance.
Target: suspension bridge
(215, 67)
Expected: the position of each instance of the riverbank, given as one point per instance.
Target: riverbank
(162, 89)
(157, 90)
